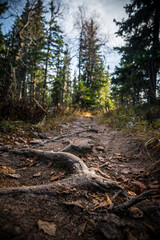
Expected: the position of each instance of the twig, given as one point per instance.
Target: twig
(134, 201)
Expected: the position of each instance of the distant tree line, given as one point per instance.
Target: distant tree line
(35, 61)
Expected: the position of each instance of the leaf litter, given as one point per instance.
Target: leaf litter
(77, 214)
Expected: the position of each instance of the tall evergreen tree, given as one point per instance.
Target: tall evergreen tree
(142, 49)
(91, 71)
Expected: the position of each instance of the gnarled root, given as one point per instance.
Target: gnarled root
(81, 176)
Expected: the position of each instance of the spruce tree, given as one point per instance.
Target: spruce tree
(142, 49)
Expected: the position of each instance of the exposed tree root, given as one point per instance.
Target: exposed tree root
(82, 176)
(134, 201)
(111, 225)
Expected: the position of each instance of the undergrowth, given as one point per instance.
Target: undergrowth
(55, 117)
(51, 121)
(16, 127)
(141, 121)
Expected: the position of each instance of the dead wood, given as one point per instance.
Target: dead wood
(66, 135)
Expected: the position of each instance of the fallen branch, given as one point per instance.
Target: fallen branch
(134, 201)
(66, 135)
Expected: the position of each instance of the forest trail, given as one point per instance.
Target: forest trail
(79, 213)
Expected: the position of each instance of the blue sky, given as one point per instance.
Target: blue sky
(106, 10)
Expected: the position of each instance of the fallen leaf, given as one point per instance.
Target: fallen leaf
(132, 193)
(22, 140)
(22, 169)
(108, 199)
(136, 212)
(59, 175)
(139, 184)
(101, 159)
(125, 171)
(76, 204)
(154, 186)
(49, 164)
(38, 174)
(82, 228)
(131, 237)
(101, 205)
(118, 154)
(121, 165)
(121, 177)
(47, 227)
(36, 141)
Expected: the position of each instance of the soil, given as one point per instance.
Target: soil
(80, 213)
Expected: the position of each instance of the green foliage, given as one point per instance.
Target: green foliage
(137, 75)
(15, 127)
(92, 75)
(36, 61)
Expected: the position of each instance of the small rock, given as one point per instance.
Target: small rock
(35, 134)
(5, 148)
(16, 176)
(42, 135)
(38, 174)
(100, 148)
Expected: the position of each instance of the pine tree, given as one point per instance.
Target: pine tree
(91, 75)
(142, 50)
(36, 50)
(5, 80)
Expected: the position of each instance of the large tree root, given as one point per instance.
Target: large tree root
(113, 223)
(82, 176)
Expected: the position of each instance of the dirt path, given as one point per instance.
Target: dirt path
(80, 213)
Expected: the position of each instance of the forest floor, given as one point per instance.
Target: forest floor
(78, 213)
